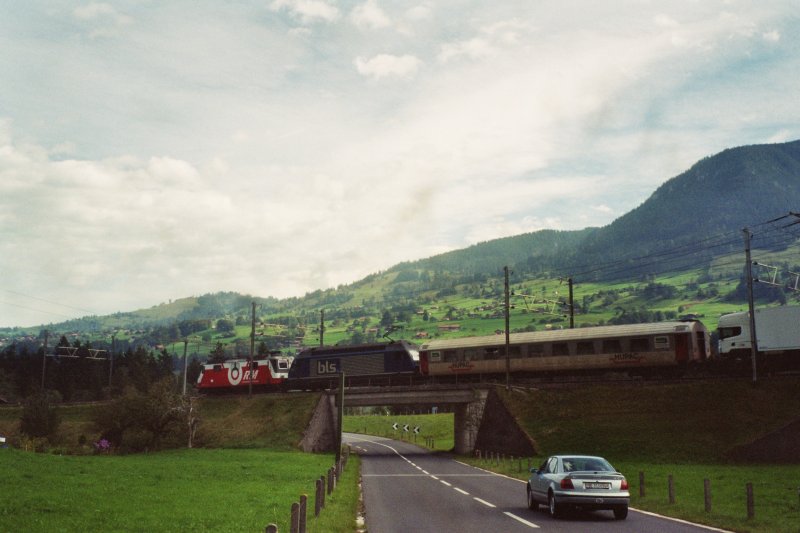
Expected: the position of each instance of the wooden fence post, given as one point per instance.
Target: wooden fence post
(671, 486)
(330, 480)
(751, 505)
(707, 494)
(322, 492)
(294, 518)
(301, 521)
(641, 484)
(271, 528)
(318, 498)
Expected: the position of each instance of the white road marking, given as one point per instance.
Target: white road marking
(461, 491)
(443, 482)
(436, 478)
(521, 520)
(484, 502)
(678, 520)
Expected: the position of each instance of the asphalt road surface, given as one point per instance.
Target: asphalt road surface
(408, 489)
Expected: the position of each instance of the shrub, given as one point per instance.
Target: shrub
(40, 419)
(137, 422)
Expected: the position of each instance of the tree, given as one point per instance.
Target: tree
(226, 326)
(139, 421)
(217, 355)
(39, 416)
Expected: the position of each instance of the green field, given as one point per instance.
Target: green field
(183, 490)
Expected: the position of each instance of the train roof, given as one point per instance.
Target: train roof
(355, 348)
(556, 335)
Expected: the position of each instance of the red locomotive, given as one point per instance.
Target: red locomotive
(267, 372)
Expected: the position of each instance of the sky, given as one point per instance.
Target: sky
(151, 151)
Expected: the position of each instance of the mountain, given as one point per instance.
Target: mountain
(703, 210)
(719, 195)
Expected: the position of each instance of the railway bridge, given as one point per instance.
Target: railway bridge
(481, 419)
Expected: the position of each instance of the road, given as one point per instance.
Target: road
(406, 488)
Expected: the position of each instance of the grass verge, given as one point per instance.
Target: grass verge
(435, 431)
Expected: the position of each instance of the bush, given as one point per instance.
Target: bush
(138, 422)
(40, 419)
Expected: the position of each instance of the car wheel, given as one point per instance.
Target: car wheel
(621, 512)
(533, 505)
(553, 507)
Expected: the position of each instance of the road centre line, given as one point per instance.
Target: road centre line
(484, 502)
(521, 520)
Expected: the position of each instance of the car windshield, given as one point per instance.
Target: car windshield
(586, 464)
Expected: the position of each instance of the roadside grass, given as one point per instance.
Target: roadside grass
(666, 423)
(181, 490)
(438, 428)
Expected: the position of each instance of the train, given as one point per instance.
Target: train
(382, 363)
(659, 349)
(632, 348)
(267, 372)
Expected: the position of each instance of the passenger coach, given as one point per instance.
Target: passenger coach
(632, 348)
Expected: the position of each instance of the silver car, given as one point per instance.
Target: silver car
(584, 481)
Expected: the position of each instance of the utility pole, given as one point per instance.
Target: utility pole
(751, 305)
(508, 325)
(321, 327)
(252, 350)
(111, 357)
(340, 412)
(571, 305)
(44, 357)
(185, 346)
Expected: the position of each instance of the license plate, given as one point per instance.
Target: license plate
(594, 485)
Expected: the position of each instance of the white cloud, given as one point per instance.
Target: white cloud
(308, 10)
(211, 148)
(370, 16)
(388, 66)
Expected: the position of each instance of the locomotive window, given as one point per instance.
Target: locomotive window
(585, 348)
(661, 342)
(217, 367)
(640, 344)
(450, 355)
(612, 346)
(725, 333)
(471, 354)
(560, 348)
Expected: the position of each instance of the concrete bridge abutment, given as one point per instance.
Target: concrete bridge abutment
(481, 419)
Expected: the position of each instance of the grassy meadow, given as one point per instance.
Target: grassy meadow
(218, 490)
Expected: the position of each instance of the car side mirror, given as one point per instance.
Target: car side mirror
(534, 470)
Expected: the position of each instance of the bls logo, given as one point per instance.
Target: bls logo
(326, 367)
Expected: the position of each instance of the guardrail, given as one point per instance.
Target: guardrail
(325, 485)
